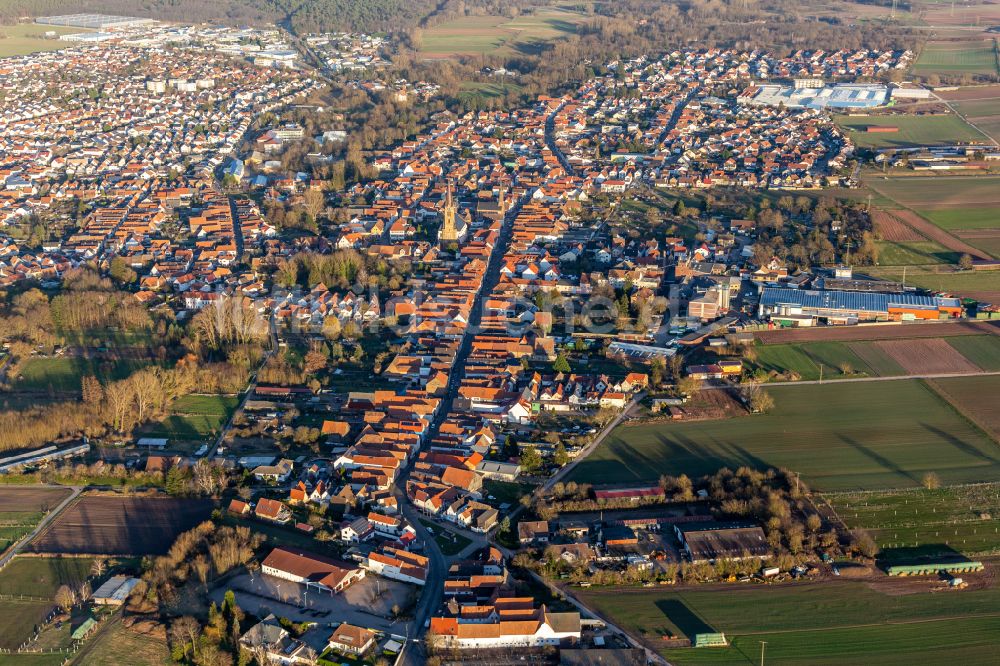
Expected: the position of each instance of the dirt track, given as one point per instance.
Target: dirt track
(886, 332)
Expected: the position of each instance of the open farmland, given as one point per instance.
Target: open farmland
(119, 525)
(980, 285)
(976, 56)
(890, 227)
(962, 518)
(831, 622)
(916, 253)
(42, 576)
(913, 130)
(847, 435)
(25, 38)
(22, 508)
(941, 192)
(121, 645)
(19, 621)
(975, 397)
(63, 373)
(837, 360)
(928, 356)
(476, 35)
(882, 332)
(983, 350)
(980, 105)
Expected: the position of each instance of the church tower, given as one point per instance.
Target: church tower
(449, 232)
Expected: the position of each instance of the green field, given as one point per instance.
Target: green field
(840, 622)
(976, 397)
(983, 350)
(63, 373)
(923, 193)
(914, 253)
(42, 576)
(25, 38)
(972, 57)
(806, 359)
(194, 417)
(852, 435)
(476, 35)
(19, 620)
(962, 518)
(15, 524)
(471, 90)
(975, 284)
(119, 645)
(965, 218)
(913, 130)
(26, 659)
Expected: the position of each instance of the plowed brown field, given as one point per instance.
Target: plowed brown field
(887, 332)
(113, 525)
(930, 356)
(890, 228)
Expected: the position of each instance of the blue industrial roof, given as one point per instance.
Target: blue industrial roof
(854, 301)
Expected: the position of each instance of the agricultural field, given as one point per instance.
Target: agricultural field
(120, 525)
(192, 418)
(837, 359)
(913, 130)
(926, 357)
(976, 56)
(941, 192)
(980, 105)
(841, 622)
(975, 397)
(842, 436)
(22, 508)
(42, 576)
(20, 620)
(943, 520)
(477, 35)
(983, 350)
(914, 253)
(63, 373)
(980, 285)
(121, 645)
(25, 38)
(856, 333)
(473, 90)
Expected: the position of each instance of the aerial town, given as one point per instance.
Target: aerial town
(473, 333)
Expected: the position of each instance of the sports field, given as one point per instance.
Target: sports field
(962, 518)
(476, 35)
(194, 417)
(844, 436)
(913, 130)
(957, 57)
(841, 622)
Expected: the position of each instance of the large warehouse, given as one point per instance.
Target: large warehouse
(802, 307)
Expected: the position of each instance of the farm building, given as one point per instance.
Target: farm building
(710, 540)
(931, 569)
(114, 591)
(634, 493)
(311, 570)
(798, 307)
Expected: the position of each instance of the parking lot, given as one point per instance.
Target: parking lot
(367, 603)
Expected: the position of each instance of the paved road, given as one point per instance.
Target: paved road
(433, 592)
(550, 139)
(26, 539)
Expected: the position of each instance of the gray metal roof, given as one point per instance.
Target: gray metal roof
(850, 300)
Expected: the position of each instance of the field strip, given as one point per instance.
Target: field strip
(952, 618)
(987, 428)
